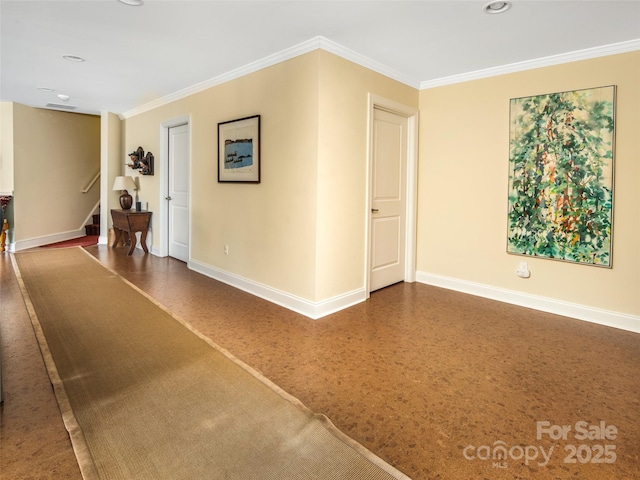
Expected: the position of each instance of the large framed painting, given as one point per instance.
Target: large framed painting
(561, 176)
(239, 150)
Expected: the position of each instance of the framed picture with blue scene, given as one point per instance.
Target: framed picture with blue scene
(239, 150)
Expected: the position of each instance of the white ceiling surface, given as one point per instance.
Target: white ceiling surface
(137, 55)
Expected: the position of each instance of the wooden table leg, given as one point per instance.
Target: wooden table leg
(143, 241)
(133, 243)
(117, 238)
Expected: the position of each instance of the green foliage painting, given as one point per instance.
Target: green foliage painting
(561, 176)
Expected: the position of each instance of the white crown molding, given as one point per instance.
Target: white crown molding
(608, 318)
(586, 54)
(269, 61)
(337, 49)
(313, 310)
(287, 54)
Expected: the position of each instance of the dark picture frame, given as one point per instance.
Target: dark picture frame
(239, 150)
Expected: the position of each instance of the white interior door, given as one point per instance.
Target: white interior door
(388, 199)
(178, 192)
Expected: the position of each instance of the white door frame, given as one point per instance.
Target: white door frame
(411, 114)
(163, 210)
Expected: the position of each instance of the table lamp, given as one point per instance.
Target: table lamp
(124, 184)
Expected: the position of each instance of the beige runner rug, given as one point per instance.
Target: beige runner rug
(144, 396)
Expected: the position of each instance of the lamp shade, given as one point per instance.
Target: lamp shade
(124, 183)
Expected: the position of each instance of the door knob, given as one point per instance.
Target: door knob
(167, 198)
(374, 210)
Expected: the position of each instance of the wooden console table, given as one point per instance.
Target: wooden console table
(126, 223)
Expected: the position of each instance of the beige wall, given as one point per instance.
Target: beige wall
(342, 169)
(113, 161)
(6, 147)
(6, 164)
(56, 155)
(302, 230)
(463, 174)
(269, 227)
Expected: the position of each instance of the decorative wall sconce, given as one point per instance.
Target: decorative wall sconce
(141, 162)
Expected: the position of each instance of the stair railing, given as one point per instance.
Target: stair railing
(88, 187)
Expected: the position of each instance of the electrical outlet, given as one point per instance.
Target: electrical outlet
(523, 270)
(226, 249)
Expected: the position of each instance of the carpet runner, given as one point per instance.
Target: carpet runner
(145, 396)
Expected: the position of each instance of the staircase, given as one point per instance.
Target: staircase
(93, 228)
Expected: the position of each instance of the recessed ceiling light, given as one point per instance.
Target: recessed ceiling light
(73, 58)
(496, 7)
(63, 97)
(132, 3)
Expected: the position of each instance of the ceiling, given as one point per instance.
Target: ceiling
(137, 55)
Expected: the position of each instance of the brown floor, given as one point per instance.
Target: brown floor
(431, 380)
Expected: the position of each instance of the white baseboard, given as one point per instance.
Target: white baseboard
(581, 312)
(47, 239)
(313, 310)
